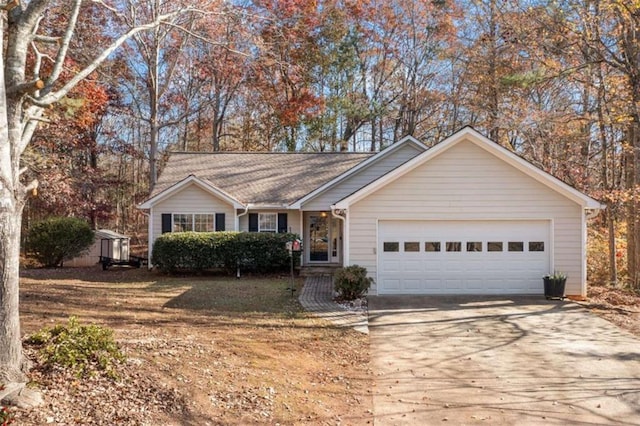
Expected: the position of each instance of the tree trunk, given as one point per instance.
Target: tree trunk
(11, 206)
(11, 359)
(633, 206)
(613, 267)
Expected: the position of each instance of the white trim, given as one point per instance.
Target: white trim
(191, 179)
(381, 154)
(193, 220)
(552, 245)
(346, 240)
(583, 255)
(150, 237)
(273, 231)
(471, 135)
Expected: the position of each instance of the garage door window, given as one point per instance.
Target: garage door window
(411, 246)
(536, 245)
(494, 246)
(432, 246)
(454, 246)
(516, 246)
(386, 246)
(474, 246)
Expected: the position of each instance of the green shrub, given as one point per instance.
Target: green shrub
(351, 282)
(82, 348)
(54, 240)
(198, 251)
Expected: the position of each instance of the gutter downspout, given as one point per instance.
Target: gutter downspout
(345, 245)
(246, 210)
(149, 236)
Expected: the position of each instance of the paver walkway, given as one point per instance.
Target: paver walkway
(317, 297)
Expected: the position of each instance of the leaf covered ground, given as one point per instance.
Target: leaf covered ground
(618, 305)
(200, 351)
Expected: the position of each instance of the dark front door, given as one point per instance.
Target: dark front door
(318, 237)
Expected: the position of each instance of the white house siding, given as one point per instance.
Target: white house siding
(191, 199)
(467, 183)
(293, 219)
(362, 177)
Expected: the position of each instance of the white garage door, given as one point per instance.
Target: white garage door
(462, 257)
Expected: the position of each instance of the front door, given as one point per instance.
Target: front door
(318, 232)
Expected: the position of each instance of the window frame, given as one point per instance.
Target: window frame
(411, 246)
(192, 221)
(391, 246)
(273, 230)
(435, 245)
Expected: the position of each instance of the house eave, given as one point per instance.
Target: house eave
(471, 135)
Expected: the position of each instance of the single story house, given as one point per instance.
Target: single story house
(466, 216)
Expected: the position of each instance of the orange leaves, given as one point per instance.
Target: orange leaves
(294, 110)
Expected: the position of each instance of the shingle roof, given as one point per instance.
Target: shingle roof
(259, 178)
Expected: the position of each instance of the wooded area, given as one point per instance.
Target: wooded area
(94, 94)
(557, 82)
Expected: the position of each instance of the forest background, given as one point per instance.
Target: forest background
(557, 82)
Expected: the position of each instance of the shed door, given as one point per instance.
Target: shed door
(463, 257)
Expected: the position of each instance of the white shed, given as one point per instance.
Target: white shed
(107, 244)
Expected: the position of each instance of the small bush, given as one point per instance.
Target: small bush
(82, 348)
(352, 282)
(198, 251)
(54, 240)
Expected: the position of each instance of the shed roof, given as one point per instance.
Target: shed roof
(108, 234)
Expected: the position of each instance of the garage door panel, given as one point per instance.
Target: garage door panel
(471, 270)
(391, 284)
(475, 284)
(412, 284)
(453, 285)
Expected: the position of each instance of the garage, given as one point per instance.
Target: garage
(463, 256)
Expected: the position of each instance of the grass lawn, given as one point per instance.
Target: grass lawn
(226, 350)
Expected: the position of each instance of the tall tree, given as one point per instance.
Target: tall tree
(154, 57)
(25, 96)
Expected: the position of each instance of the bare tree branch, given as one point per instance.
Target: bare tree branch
(64, 46)
(55, 96)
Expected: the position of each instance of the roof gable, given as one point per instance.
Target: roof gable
(406, 141)
(471, 135)
(191, 180)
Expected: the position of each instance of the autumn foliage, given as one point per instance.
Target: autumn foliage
(555, 83)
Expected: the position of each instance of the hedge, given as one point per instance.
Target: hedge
(198, 251)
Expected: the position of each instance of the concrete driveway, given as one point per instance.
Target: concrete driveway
(515, 361)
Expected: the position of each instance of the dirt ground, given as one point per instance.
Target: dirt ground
(620, 306)
(200, 350)
(213, 350)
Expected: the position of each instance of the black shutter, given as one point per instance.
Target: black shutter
(220, 222)
(166, 222)
(253, 222)
(282, 223)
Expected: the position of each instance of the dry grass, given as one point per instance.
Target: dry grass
(236, 351)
